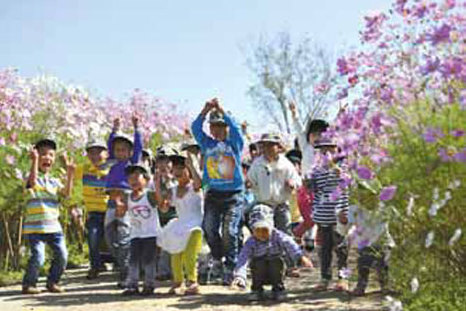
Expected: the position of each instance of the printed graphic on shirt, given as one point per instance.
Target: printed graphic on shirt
(138, 214)
(220, 162)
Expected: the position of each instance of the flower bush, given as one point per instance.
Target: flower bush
(46, 107)
(405, 128)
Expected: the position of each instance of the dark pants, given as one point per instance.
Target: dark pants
(331, 241)
(95, 236)
(265, 271)
(373, 257)
(222, 213)
(37, 243)
(142, 257)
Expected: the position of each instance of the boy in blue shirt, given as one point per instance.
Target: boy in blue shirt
(225, 183)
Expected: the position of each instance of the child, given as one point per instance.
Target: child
(306, 139)
(265, 251)
(325, 181)
(93, 175)
(167, 211)
(123, 151)
(182, 237)
(371, 235)
(145, 226)
(41, 224)
(273, 179)
(224, 180)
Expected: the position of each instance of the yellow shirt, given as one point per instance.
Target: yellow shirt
(94, 185)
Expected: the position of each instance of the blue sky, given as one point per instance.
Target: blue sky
(183, 51)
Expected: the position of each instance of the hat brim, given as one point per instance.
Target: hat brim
(325, 145)
(262, 224)
(122, 138)
(218, 122)
(272, 141)
(46, 142)
(134, 167)
(100, 146)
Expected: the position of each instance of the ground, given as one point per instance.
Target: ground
(102, 295)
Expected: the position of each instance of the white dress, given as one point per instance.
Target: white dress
(175, 235)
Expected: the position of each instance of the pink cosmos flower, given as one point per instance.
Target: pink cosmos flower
(387, 193)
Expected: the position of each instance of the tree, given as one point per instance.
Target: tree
(284, 71)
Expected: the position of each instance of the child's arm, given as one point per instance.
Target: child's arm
(196, 126)
(158, 188)
(242, 263)
(138, 145)
(197, 181)
(115, 129)
(70, 170)
(235, 130)
(32, 179)
(293, 180)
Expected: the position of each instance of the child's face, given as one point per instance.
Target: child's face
(261, 233)
(181, 173)
(137, 181)
(219, 131)
(97, 155)
(121, 150)
(271, 150)
(164, 166)
(329, 149)
(46, 159)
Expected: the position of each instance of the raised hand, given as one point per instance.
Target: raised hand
(292, 107)
(135, 120)
(116, 124)
(34, 154)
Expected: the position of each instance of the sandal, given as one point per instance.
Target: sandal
(174, 288)
(293, 273)
(192, 288)
(342, 285)
(321, 286)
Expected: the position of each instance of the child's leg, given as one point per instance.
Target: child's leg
(60, 256)
(190, 255)
(123, 245)
(95, 233)
(341, 249)
(110, 230)
(326, 233)
(149, 261)
(365, 260)
(382, 267)
(233, 207)
(276, 273)
(136, 249)
(260, 273)
(163, 264)
(177, 268)
(36, 260)
(282, 218)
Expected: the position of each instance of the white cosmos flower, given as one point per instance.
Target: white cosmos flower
(414, 285)
(456, 236)
(429, 239)
(409, 209)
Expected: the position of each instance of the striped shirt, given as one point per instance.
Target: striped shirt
(279, 244)
(94, 185)
(43, 206)
(327, 198)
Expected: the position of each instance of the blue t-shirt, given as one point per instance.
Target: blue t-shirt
(222, 159)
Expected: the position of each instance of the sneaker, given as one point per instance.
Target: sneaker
(358, 292)
(130, 291)
(342, 285)
(54, 288)
(292, 273)
(256, 296)
(147, 291)
(227, 279)
(321, 286)
(92, 274)
(121, 285)
(30, 290)
(175, 289)
(279, 295)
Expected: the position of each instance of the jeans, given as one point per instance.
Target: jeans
(331, 240)
(95, 235)
(282, 218)
(117, 236)
(163, 264)
(267, 270)
(223, 213)
(373, 256)
(142, 256)
(37, 242)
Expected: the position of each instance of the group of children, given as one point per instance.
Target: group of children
(154, 213)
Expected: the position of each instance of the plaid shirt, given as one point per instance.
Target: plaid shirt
(279, 244)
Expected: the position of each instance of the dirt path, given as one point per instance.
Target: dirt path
(82, 294)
